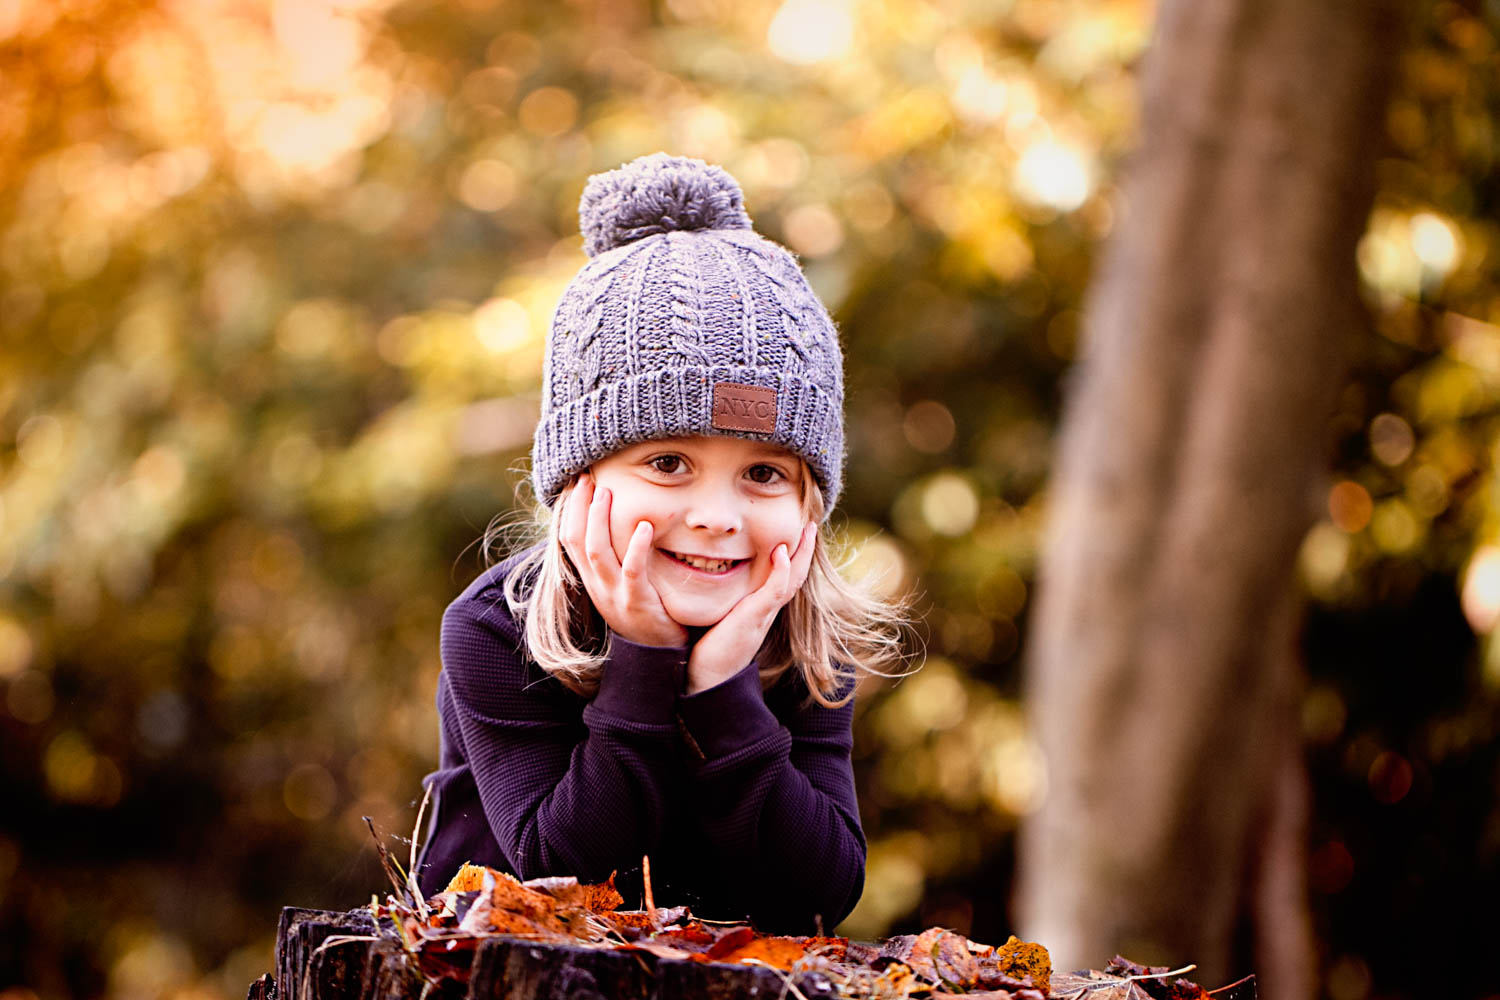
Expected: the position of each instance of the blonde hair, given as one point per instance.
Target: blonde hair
(830, 630)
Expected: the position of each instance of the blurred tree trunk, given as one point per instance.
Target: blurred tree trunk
(1163, 670)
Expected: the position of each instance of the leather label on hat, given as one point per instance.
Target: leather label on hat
(744, 407)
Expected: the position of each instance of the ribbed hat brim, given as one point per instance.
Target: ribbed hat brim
(678, 402)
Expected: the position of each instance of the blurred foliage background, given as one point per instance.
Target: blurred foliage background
(274, 279)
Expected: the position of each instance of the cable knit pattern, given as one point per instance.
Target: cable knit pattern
(680, 294)
(744, 801)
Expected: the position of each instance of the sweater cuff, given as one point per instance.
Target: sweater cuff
(729, 716)
(640, 683)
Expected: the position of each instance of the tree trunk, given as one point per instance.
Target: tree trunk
(1162, 669)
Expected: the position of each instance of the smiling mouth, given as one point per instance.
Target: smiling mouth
(704, 564)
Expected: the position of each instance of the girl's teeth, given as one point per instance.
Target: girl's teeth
(709, 565)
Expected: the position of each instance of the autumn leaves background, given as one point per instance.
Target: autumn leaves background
(273, 284)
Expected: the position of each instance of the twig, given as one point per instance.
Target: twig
(650, 899)
(392, 868)
(1162, 975)
(411, 867)
(787, 986)
(1237, 982)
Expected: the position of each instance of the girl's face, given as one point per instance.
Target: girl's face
(718, 507)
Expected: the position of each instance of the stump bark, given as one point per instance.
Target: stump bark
(322, 955)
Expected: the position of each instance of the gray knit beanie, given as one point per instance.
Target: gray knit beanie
(684, 322)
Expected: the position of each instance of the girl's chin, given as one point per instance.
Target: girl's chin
(699, 614)
(696, 618)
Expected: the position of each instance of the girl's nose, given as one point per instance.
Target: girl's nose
(713, 510)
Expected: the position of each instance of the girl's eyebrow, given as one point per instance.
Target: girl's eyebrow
(762, 454)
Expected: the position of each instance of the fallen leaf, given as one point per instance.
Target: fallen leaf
(937, 955)
(729, 942)
(1023, 960)
(1095, 986)
(468, 878)
(778, 952)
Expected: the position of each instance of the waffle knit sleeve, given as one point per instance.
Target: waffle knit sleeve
(564, 790)
(775, 793)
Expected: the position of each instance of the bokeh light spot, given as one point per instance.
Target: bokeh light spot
(1391, 439)
(1348, 978)
(1330, 868)
(979, 96)
(1324, 558)
(29, 698)
(309, 792)
(931, 700)
(1054, 175)
(75, 773)
(487, 185)
(1015, 775)
(16, 648)
(1390, 778)
(1350, 506)
(1480, 597)
(811, 31)
(894, 879)
(502, 325)
(1001, 593)
(879, 563)
(39, 442)
(1428, 491)
(1394, 528)
(159, 474)
(548, 111)
(151, 964)
(236, 652)
(1436, 242)
(1323, 715)
(928, 426)
(813, 230)
(162, 720)
(950, 504)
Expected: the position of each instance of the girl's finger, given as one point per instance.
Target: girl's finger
(597, 544)
(803, 557)
(572, 518)
(775, 590)
(633, 567)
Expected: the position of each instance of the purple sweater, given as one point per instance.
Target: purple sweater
(744, 801)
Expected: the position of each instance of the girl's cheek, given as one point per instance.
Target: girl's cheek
(620, 529)
(622, 525)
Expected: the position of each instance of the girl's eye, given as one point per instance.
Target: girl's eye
(764, 474)
(666, 464)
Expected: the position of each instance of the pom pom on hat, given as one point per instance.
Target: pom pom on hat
(657, 194)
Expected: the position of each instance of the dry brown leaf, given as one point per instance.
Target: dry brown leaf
(778, 952)
(468, 878)
(1021, 960)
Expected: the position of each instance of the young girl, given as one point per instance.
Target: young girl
(670, 672)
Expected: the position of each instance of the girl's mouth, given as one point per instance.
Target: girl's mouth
(704, 564)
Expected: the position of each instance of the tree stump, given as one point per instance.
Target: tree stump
(322, 955)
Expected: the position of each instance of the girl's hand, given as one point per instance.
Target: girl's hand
(620, 589)
(733, 642)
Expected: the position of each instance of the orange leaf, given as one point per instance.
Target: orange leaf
(731, 941)
(468, 878)
(602, 898)
(780, 952)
